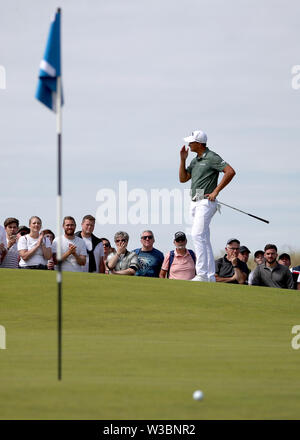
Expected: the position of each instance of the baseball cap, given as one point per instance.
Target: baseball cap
(197, 136)
(244, 249)
(180, 234)
(257, 253)
(233, 239)
(284, 255)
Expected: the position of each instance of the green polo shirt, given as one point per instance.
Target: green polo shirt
(205, 171)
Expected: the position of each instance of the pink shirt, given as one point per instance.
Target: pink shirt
(183, 266)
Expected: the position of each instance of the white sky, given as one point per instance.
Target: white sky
(139, 76)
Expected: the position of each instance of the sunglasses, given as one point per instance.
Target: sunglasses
(147, 237)
(122, 240)
(106, 244)
(178, 240)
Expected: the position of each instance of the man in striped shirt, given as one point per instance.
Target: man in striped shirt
(11, 259)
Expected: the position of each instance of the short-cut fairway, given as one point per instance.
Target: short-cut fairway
(137, 348)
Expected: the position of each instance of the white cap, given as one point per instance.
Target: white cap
(197, 136)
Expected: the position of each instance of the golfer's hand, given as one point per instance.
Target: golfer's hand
(212, 196)
(184, 153)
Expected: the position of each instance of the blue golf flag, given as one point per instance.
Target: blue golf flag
(50, 67)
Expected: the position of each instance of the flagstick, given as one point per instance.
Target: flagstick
(59, 223)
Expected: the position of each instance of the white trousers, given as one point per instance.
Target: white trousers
(202, 212)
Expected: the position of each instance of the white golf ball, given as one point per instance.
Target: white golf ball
(198, 395)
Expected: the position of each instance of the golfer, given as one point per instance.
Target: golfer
(203, 171)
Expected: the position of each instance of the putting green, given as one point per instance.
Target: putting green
(137, 348)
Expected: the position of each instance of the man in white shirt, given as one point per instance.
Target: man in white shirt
(11, 259)
(73, 248)
(94, 246)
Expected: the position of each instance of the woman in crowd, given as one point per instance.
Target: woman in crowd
(107, 250)
(34, 249)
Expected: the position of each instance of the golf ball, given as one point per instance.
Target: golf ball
(198, 395)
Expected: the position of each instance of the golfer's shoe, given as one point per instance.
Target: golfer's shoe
(199, 278)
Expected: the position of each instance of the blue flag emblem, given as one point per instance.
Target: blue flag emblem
(50, 67)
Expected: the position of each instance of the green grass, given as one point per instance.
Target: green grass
(136, 348)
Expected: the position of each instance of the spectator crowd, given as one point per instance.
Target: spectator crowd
(32, 247)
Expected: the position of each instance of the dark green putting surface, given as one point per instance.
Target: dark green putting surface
(137, 348)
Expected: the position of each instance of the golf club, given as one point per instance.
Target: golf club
(239, 210)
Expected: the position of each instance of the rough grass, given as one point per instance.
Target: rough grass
(137, 348)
